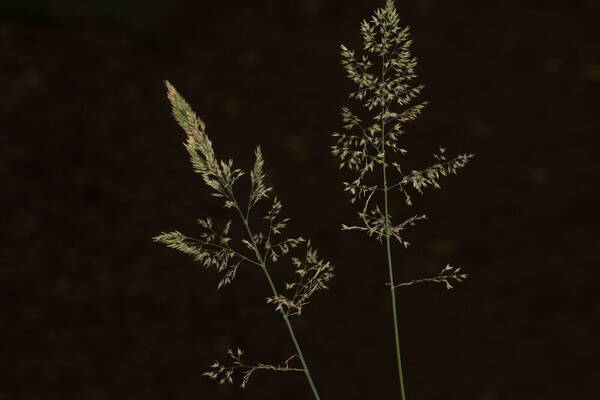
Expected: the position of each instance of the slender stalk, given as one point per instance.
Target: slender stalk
(393, 295)
(388, 245)
(263, 265)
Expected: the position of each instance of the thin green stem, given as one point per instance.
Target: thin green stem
(388, 246)
(263, 265)
(394, 312)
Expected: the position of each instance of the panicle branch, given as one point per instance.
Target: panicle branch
(445, 277)
(313, 274)
(224, 373)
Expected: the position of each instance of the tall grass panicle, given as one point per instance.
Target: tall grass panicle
(370, 146)
(215, 248)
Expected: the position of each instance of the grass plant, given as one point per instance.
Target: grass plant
(259, 248)
(370, 146)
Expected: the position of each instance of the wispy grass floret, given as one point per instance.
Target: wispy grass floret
(216, 248)
(385, 76)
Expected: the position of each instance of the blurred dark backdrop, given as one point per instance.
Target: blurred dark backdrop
(92, 167)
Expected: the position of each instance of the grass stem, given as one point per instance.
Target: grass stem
(388, 245)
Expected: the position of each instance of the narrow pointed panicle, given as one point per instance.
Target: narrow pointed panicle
(216, 248)
(369, 146)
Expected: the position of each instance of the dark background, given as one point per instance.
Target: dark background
(92, 167)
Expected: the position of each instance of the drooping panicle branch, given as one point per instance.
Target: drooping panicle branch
(224, 373)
